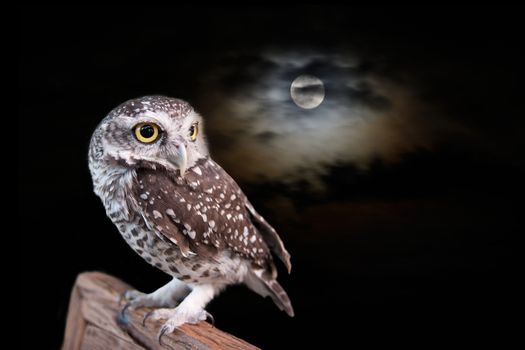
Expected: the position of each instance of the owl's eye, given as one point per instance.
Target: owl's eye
(146, 132)
(194, 131)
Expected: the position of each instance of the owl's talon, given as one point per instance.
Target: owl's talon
(146, 316)
(124, 310)
(123, 315)
(210, 317)
(163, 330)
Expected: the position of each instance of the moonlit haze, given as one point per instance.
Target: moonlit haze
(364, 116)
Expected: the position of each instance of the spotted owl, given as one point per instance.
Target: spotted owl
(180, 211)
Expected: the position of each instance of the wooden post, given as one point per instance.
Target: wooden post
(92, 322)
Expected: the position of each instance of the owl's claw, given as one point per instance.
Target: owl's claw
(146, 316)
(163, 330)
(123, 315)
(210, 317)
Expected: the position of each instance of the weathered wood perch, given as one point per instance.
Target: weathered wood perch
(92, 322)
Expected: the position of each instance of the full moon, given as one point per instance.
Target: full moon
(307, 91)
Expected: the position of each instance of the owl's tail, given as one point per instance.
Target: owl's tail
(267, 286)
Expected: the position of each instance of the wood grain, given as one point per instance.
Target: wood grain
(92, 322)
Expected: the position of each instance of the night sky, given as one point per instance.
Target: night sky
(397, 197)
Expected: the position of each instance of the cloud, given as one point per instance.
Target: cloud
(260, 135)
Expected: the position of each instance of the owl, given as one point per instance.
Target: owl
(180, 211)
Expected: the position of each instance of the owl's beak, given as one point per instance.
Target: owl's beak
(179, 158)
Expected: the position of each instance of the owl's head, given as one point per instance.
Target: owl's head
(150, 131)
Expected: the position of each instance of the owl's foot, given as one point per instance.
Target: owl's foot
(191, 310)
(176, 318)
(166, 296)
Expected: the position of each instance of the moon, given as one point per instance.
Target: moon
(307, 91)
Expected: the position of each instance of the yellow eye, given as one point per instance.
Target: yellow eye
(146, 132)
(194, 131)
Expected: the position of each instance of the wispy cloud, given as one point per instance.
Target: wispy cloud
(260, 135)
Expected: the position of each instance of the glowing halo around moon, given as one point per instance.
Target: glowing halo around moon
(307, 91)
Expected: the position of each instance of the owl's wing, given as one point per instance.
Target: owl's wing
(203, 213)
(271, 237)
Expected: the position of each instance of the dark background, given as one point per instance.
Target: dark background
(427, 244)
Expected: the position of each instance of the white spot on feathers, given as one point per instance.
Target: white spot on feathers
(188, 206)
(252, 238)
(197, 170)
(212, 223)
(245, 231)
(156, 214)
(233, 197)
(144, 196)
